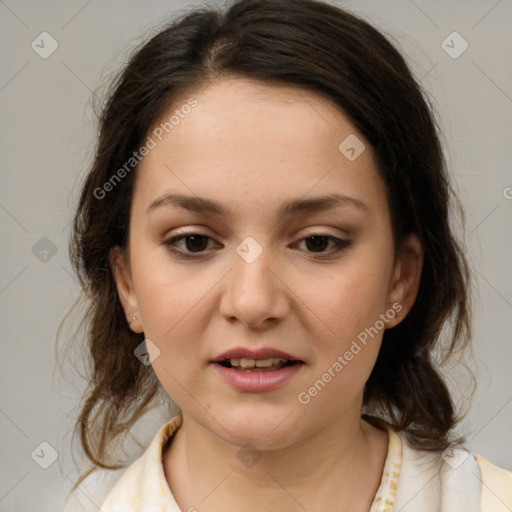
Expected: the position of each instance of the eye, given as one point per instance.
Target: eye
(318, 243)
(187, 245)
(190, 245)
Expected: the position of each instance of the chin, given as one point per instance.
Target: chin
(267, 427)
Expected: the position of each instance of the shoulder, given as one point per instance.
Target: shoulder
(496, 486)
(143, 485)
(454, 479)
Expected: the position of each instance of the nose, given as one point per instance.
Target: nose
(254, 293)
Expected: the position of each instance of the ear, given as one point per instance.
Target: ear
(123, 278)
(406, 278)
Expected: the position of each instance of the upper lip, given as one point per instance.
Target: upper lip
(262, 353)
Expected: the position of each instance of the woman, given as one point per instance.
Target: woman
(264, 236)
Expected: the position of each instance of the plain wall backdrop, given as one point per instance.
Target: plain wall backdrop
(47, 134)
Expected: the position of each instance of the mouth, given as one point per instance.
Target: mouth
(243, 364)
(257, 371)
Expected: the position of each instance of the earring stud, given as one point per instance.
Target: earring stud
(132, 320)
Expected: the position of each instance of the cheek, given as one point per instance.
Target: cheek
(348, 338)
(167, 294)
(349, 303)
(349, 300)
(172, 303)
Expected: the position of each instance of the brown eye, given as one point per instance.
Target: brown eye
(317, 243)
(324, 245)
(188, 245)
(196, 243)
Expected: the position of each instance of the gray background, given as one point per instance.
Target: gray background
(47, 131)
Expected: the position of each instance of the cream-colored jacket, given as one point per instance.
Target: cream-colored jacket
(412, 481)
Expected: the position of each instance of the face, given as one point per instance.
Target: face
(254, 236)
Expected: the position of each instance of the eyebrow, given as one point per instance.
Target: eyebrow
(293, 206)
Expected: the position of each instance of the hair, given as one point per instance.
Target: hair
(324, 50)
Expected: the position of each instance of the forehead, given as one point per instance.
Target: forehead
(255, 139)
(242, 109)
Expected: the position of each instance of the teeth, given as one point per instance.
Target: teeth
(264, 363)
(258, 363)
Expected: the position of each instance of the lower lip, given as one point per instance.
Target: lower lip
(257, 381)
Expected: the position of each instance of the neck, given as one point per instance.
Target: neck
(338, 467)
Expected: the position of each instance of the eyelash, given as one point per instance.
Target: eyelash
(339, 245)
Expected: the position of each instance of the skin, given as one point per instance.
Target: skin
(251, 146)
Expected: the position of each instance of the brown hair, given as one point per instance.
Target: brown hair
(323, 49)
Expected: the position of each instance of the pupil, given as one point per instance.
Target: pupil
(317, 242)
(198, 242)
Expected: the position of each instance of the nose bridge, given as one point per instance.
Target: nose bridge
(251, 273)
(253, 292)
